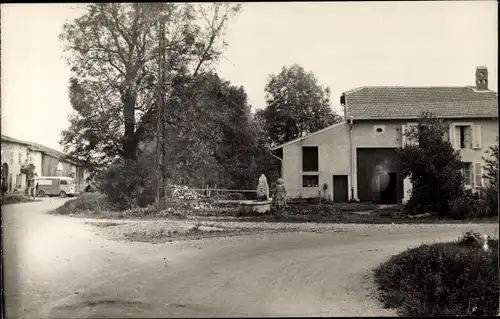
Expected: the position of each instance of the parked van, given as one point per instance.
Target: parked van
(56, 186)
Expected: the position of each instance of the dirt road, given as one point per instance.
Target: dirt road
(60, 267)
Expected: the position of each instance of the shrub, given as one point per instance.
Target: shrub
(441, 279)
(128, 185)
(491, 178)
(15, 198)
(433, 166)
(460, 208)
(92, 202)
(232, 196)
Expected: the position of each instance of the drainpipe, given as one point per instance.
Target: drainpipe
(351, 157)
(281, 161)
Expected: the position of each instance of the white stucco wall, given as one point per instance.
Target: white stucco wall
(334, 157)
(11, 153)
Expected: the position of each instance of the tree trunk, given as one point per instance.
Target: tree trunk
(129, 140)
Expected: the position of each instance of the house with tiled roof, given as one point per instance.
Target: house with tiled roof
(357, 158)
(47, 161)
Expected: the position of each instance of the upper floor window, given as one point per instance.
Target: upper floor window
(464, 136)
(310, 159)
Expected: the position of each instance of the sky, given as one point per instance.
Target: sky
(345, 44)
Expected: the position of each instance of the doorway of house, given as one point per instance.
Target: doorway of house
(389, 194)
(340, 189)
(5, 177)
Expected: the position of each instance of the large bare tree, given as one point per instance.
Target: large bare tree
(112, 50)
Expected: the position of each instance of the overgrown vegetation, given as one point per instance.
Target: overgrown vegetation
(433, 167)
(491, 179)
(443, 279)
(15, 199)
(211, 136)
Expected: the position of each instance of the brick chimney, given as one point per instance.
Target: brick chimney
(481, 78)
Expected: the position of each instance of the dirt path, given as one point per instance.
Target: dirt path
(62, 267)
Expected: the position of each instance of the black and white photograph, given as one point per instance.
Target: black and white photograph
(249, 159)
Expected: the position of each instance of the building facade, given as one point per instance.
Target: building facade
(357, 159)
(47, 162)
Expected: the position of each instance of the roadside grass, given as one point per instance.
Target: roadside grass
(441, 279)
(17, 199)
(195, 232)
(95, 205)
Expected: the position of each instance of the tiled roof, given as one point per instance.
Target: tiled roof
(410, 102)
(13, 140)
(37, 147)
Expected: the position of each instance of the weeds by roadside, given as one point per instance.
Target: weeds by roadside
(95, 205)
(17, 198)
(443, 279)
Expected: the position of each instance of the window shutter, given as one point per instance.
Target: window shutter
(476, 137)
(414, 128)
(456, 140)
(472, 176)
(403, 136)
(478, 175)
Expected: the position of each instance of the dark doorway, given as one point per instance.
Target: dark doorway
(389, 194)
(340, 189)
(5, 177)
(378, 176)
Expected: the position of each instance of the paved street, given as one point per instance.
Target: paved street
(58, 267)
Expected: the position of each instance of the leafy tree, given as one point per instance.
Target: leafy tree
(296, 105)
(113, 54)
(216, 140)
(491, 177)
(433, 166)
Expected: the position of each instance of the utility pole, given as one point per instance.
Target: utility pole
(160, 125)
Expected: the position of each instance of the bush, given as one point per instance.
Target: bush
(433, 167)
(232, 196)
(460, 208)
(128, 185)
(92, 202)
(444, 279)
(15, 198)
(491, 178)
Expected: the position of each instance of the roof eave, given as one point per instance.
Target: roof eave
(307, 136)
(358, 118)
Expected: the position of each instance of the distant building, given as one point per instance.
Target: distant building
(47, 161)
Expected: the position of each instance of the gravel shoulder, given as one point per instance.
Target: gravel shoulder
(159, 231)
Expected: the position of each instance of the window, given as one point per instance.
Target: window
(310, 181)
(463, 134)
(379, 130)
(64, 182)
(19, 181)
(412, 138)
(11, 158)
(467, 173)
(310, 159)
(20, 159)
